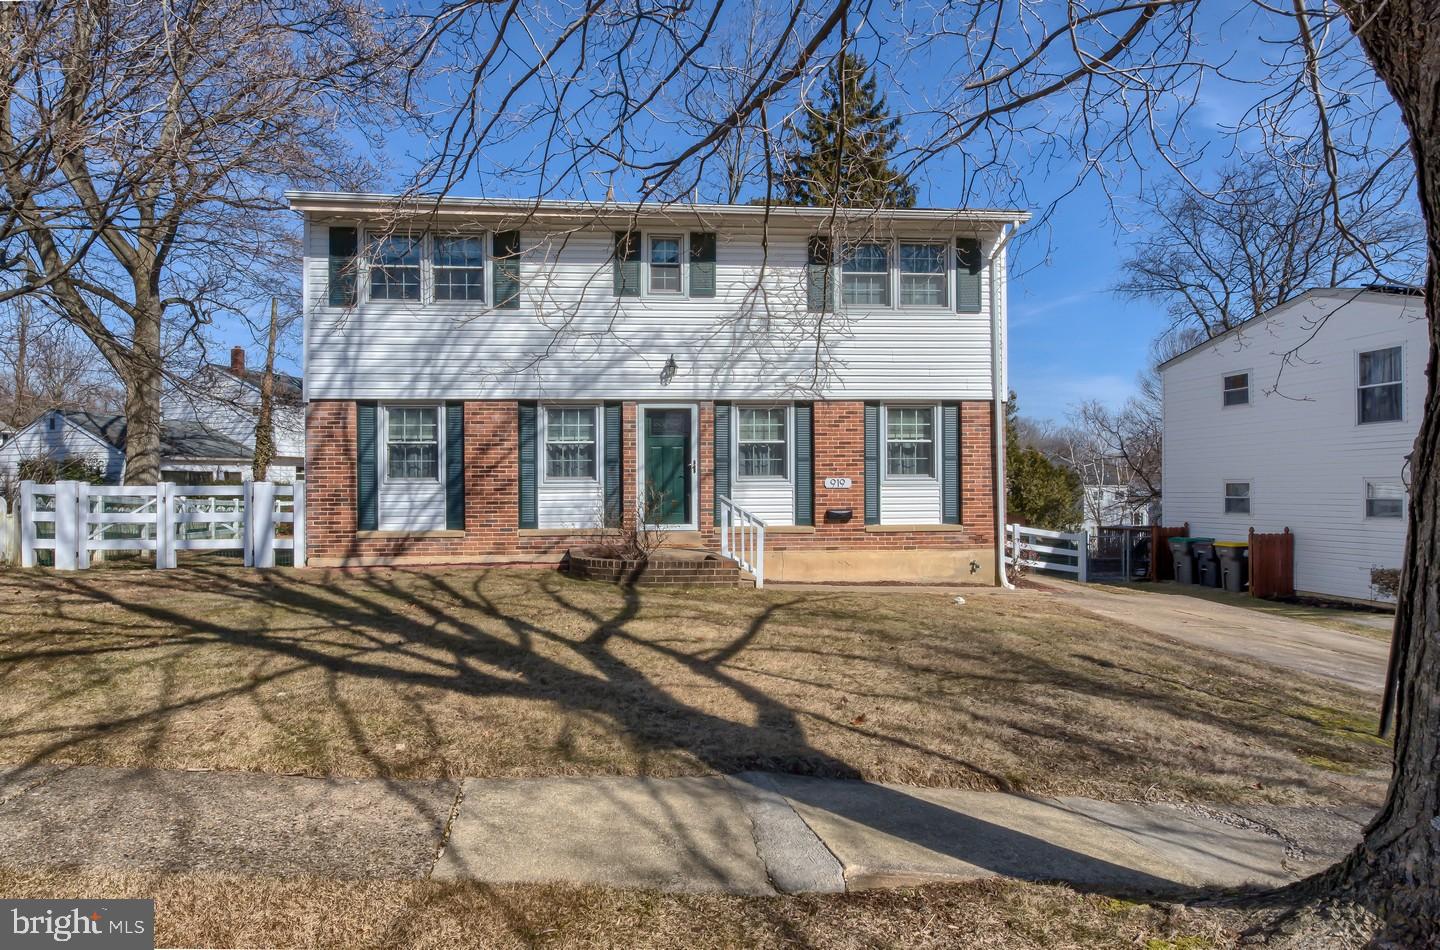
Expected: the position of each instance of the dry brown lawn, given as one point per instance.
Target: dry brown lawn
(451, 673)
(215, 911)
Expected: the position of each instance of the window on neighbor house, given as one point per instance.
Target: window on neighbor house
(665, 264)
(570, 450)
(412, 442)
(865, 276)
(1384, 500)
(1237, 498)
(395, 267)
(1236, 389)
(910, 440)
(460, 267)
(1380, 385)
(761, 441)
(922, 275)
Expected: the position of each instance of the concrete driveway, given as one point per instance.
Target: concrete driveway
(1348, 658)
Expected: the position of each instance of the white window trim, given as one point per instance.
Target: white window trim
(1355, 370)
(1387, 480)
(1249, 388)
(948, 274)
(684, 291)
(937, 457)
(383, 424)
(427, 266)
(545, 477)
(1249, 483)
(789, 443)
(427, 288)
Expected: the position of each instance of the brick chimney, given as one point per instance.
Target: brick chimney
(237, 360)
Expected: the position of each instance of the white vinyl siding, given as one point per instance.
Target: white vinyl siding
(571, 490)
(772, 497)
(910, 466)
(59, 441)
(412, 458)
(1302, 450)
(747, 342)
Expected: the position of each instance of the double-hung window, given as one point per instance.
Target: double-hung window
(865, 276)
(459, 267)
(395, 267)
(1235, 389)
(1384, 500)
(1380, 390)
(760, 437)
(412, 443)
(910, 441)
(1237, 498)
(922, 275)
(570, 442)
(665, 264)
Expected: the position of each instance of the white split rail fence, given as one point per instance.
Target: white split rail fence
(742, 537)
(87, 520)
(1041, 550)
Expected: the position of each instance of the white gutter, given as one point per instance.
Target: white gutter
(1000, 396)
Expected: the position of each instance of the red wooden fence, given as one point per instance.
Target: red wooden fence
(1162, 564)
(1272, 564)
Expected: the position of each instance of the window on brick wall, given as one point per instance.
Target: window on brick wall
(570, 443)
(412, 443)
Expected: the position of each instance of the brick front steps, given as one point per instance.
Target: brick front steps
(663, 569)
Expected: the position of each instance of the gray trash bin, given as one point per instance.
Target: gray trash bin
(1234, 559)
(1207, 566)
(1184, 562)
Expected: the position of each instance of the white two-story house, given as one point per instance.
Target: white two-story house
(1303, 418)
(491, 381)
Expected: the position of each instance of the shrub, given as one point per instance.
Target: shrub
(1385, 582)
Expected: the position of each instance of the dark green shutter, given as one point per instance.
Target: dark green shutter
(529, 434)
(344, 242)
(818, 295)
(455, 466)
(367, 468)
(702, 264)
(950, 463)
(614, 464)
(505, 275)
(968, 265)
(804, 463)
(872, 463)
(627, 263)
(723, 413)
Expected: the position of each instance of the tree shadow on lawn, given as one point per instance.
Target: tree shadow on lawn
(362, 625)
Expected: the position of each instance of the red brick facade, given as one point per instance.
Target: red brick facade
(492, 533)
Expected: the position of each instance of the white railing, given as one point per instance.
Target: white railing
(1042, 550)
(742, 537)
(9, 535)
(79, 521)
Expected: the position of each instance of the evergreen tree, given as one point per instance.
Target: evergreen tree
(1039, 492)
(845, 146)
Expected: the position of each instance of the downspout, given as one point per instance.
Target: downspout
(1000, 397)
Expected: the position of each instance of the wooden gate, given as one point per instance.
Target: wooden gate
(1272, 564)
(1162, 564)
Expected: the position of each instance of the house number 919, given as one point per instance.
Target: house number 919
(837, 483)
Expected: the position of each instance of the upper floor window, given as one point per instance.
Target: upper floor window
(1379, 395)
(910, 440)
(922, 275)
(395, 267)
(570, 437)
(665, 264)
(865, 276)
(1237, 498)
(1236, 389)
(412, 442)
(1384, 500)
(761, 442)
(459, 267)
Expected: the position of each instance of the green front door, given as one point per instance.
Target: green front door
(667, 466)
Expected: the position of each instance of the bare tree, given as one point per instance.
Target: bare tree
(143, 151)
(48, 366)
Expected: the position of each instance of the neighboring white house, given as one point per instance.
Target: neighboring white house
(1303, 418)
(1109, 504)
(189, 451)
(226, 400)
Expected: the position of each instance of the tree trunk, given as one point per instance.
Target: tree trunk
(264, 421)
(1396, 869)
(143, 377)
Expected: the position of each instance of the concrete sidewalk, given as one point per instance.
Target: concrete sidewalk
(1347, 658)
(752, 833)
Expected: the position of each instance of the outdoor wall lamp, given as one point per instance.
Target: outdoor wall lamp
(669, 371)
